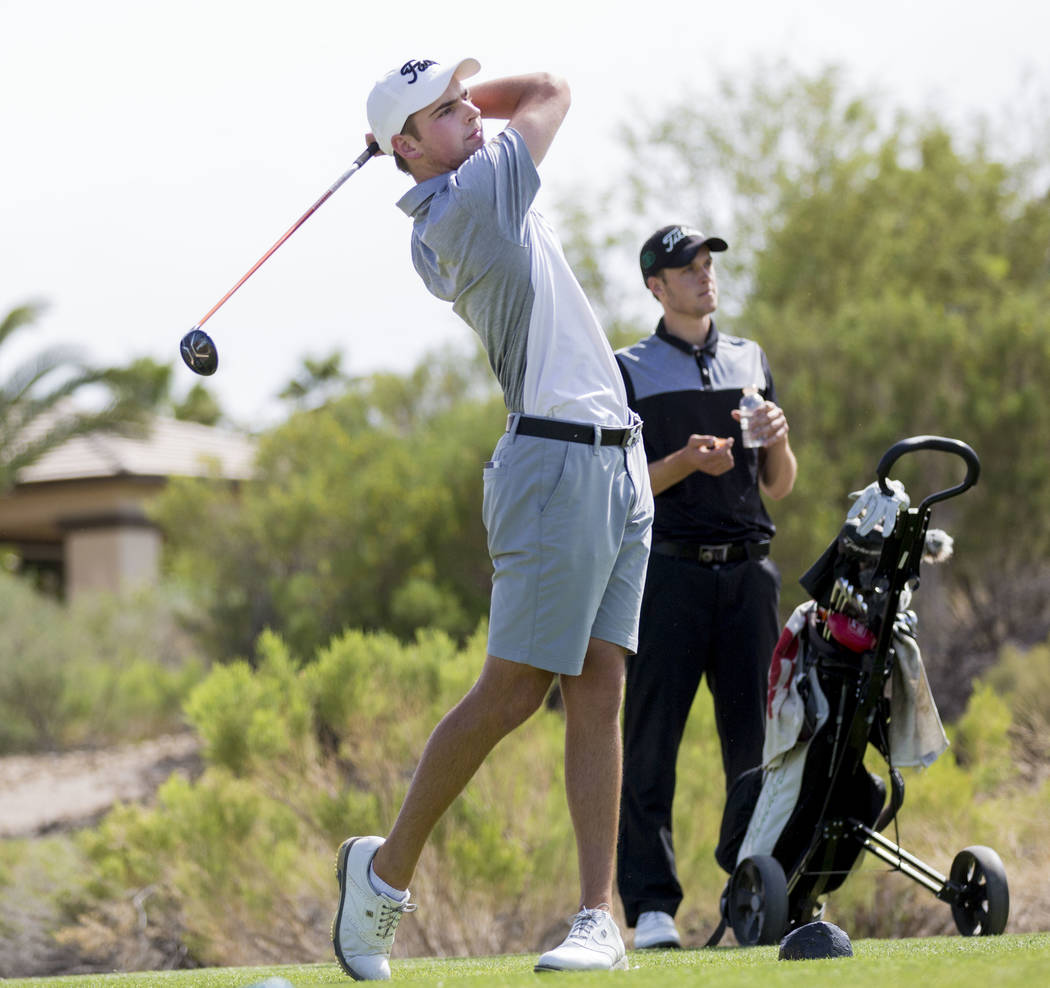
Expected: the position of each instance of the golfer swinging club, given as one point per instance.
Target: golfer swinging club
(567, 502)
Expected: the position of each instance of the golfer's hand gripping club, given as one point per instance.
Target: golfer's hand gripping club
(198, 348)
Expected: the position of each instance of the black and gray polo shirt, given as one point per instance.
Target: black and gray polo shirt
(680, 389)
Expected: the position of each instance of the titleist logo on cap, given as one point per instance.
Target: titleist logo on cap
(414, 66)
(672, 236)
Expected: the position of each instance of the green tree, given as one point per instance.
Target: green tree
(317, 381)
(365, 513)
(151, 383)
(896, 272)
(199, 405)
(729, 162)
(36, 411)
(918, 305)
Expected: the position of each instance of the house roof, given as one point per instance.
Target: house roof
(170, 448)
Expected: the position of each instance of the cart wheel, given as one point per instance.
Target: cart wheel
(757, 903)
(983, 904)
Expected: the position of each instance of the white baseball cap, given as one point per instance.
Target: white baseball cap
(402, 91)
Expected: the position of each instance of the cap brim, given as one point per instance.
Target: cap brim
(466, 68)
(432, 89)
(713, 244)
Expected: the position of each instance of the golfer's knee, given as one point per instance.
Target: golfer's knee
(507, 713)
(510, 701)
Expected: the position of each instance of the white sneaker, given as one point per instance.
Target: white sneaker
(365, 922)
(656, 930)
(593, 944)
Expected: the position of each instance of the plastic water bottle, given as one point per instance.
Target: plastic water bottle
(748, 403)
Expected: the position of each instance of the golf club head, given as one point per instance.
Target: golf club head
(199, 353)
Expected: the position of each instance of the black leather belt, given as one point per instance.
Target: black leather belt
(571, 432)
(727, 552)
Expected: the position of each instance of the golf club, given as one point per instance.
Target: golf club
(197, 347)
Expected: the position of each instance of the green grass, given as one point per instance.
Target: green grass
(938, 962)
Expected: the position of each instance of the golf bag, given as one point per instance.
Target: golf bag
(847, 673)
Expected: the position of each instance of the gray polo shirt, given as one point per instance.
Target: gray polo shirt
(478, 243)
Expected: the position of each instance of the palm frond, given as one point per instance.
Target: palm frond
(22, 315)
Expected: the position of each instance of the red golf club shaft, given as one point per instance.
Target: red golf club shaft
(358, 162)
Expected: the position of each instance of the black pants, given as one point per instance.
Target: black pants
(697, 620)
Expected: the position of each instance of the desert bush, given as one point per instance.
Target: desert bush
(301, 755)
(113, 669)
(236, 867)
(1022, 677)
(38, 880)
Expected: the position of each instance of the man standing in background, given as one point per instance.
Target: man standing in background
(710, 606)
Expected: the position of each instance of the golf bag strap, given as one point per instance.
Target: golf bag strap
(889, 813)
(716, 937)
(723, 908)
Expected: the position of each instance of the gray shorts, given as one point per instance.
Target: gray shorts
(568, 532)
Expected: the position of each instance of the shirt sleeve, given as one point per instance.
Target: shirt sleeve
(627, 383)
(771, 391)
(500, 181)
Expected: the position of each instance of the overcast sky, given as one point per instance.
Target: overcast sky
(153, 150)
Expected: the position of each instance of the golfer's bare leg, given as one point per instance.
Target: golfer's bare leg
(505, 695)
(594, 764)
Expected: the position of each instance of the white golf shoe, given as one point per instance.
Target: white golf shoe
(366, 920)
(593, 944)
(656, 930)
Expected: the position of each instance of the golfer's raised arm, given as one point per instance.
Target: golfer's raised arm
(534, 105)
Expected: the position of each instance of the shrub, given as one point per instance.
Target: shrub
(1022, 677)
(982, 739)
(39, 879)
(299, 757)
(237, 867)
(113, 669)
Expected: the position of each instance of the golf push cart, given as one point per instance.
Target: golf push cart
(847, 672)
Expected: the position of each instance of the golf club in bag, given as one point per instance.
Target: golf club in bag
(847, 673)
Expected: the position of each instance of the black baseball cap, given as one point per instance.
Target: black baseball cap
(674, 247)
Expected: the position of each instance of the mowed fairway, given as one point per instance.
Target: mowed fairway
(937, 962)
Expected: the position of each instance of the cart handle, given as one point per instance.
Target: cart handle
(915, 443)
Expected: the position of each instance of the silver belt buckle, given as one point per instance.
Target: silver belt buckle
(714, 553)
